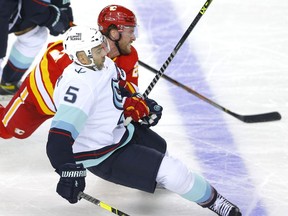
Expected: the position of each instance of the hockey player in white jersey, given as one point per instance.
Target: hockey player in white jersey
(87, 132)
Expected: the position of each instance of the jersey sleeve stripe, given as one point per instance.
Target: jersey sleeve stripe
(14, 107)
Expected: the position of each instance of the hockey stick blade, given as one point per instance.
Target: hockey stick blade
(264, 117)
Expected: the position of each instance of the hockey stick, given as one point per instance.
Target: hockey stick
(180, 43)
(101, 204)
(172, 55)
(265, 117)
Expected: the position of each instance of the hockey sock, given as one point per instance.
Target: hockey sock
(200, 191)
(176, 177)
(22, 54)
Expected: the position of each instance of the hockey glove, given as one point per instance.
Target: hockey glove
(64, 6)
(154, 114)
(135, 107)
(72, 181)
(59, 21)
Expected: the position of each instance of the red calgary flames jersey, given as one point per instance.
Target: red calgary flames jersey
(129, 63)
(44, 76)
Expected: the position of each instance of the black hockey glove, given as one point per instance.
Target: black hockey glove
(72, 181)
(154, 114)
(59, 22)
(64, 6)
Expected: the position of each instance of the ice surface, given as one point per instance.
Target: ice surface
(235, 56)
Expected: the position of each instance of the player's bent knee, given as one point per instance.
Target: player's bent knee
(37, 36)
(174, 175)
(30, 43)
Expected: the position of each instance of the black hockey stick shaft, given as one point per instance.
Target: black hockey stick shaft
(101, 204)
(264, 117)
(180, 43)
(172, 55)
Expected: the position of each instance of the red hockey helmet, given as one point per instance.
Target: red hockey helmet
(116, 15)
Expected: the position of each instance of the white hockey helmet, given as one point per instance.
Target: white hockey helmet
(82, 38)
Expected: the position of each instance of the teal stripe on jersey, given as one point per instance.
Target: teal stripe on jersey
(69, 118)
(96, 161)
(67, 127)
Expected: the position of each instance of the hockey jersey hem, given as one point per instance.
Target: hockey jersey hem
(95, 157)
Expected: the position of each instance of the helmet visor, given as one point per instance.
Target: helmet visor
(130, 31)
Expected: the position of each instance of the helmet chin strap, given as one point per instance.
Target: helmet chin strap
(117, 44)
(90, 66)
(116, 41)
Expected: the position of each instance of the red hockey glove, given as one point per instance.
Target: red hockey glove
(135, 107)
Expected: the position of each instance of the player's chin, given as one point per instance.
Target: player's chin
(100, 66)
(127, 49)
(129, 46)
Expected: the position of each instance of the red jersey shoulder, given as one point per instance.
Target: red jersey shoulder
(53, 62)
(56, 55)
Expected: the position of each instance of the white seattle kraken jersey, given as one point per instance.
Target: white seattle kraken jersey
(89, 105)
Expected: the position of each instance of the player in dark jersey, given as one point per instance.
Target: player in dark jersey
(28, 20)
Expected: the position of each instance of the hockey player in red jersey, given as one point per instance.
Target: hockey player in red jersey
(32, 104)
(119, 25)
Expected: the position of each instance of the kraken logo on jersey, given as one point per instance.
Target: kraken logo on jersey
(117, 98)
